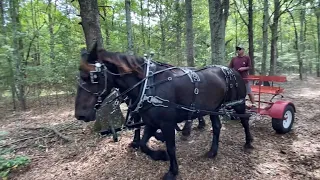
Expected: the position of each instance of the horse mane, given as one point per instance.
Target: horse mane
(125, 63)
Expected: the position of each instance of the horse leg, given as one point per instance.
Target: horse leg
(241, 109)
(155, 155)
(186, 131)
(202, 123)
(216, 127)
(169, 135)
(136, 139)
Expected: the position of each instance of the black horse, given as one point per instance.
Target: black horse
(162, 96)
(135, 117)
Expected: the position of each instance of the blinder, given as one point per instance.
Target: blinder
(95, 75)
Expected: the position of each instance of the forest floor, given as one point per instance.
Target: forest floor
(69, 149)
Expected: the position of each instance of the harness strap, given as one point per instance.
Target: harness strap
(159, 102)
(195, 80)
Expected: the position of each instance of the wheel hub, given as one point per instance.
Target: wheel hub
(287, 119)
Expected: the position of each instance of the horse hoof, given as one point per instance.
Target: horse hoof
(160, 155)
(134, 145)
(186, 133)
(211, 154)
(248, 146)
(184, 138)
(169, 176)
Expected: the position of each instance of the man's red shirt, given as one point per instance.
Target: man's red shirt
(241, 61)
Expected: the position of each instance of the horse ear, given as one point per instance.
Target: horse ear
(93, 56)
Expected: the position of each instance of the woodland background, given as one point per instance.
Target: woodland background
(41, 40)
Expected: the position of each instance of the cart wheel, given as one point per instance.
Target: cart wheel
(284, 125)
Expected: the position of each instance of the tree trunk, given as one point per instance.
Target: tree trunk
(149, 26)
(3, 42)
(142, 26)
(91, 22)
(189, 33)
(318, 29)
(297, 46)
(265, 37)
(17, 55)
(50, 26)
(274, 37)
(302, 37)
(250, 36)
(178, 32)
(129, 27)
(107, 31)
(236, 24)
(91, 27)
(162, 29)
(218, 13)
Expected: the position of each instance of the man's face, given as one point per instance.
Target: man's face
(240, 51)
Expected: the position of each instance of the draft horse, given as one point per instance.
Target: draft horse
(163, 97)
(134, 118)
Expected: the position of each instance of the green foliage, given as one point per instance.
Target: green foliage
(9, 161)
(7, 165)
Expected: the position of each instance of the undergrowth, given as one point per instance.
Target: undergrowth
(8, 160)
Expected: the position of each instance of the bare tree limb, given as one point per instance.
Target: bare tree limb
(31, 42)
(237, 8)
(244, 5)
(51, 129)
(286, 9)
(104, 19)
(24, 139)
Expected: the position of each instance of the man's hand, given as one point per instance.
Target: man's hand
(243, 69)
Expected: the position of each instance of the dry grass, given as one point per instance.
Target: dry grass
(88, 156)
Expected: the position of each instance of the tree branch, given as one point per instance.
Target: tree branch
(287, 9)
(51, 129)
(243, 20)
(32, 39)
(245, 5)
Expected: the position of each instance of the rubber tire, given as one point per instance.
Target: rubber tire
(277, 124)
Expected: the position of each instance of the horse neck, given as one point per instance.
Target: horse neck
(128, 81)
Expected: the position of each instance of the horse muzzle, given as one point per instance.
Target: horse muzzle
(86, 118)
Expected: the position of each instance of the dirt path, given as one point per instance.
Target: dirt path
(295, 155)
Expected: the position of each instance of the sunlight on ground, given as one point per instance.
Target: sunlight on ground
(306, 147)
(309, 93)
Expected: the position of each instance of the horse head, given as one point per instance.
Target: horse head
(100, 72)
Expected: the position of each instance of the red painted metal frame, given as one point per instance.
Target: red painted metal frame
(273, 109)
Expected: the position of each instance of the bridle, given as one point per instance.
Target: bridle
(100, 70)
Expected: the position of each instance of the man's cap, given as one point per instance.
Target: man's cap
(240, 46)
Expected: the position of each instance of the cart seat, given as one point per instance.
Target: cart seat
(266, 89)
